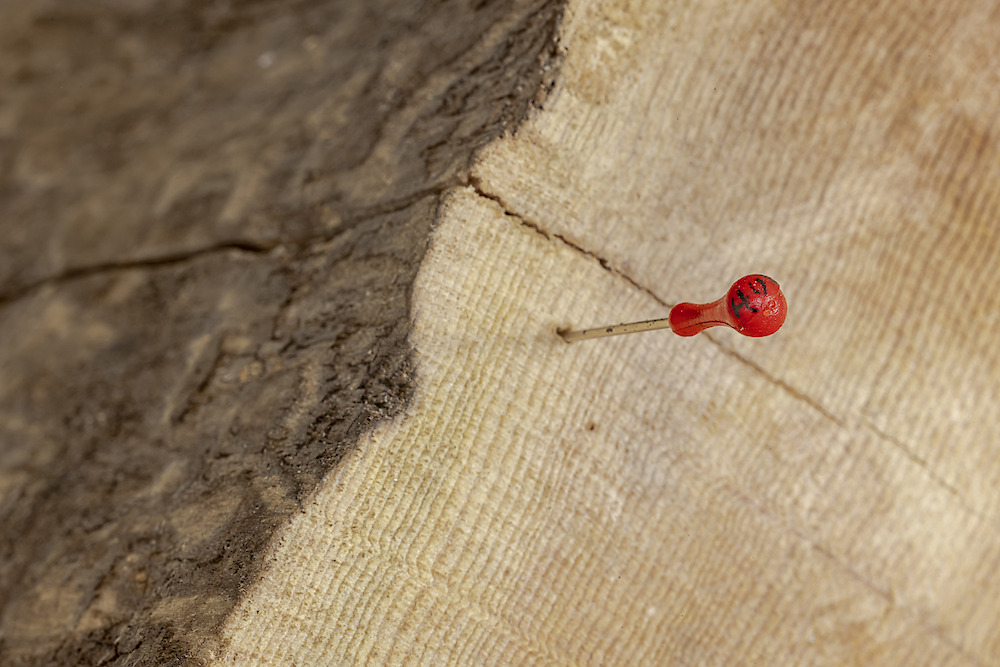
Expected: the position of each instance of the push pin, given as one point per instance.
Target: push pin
(754, 306)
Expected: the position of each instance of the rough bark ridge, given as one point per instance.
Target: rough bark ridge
(212, 215)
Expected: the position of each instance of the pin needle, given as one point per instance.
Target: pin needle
(754, 306)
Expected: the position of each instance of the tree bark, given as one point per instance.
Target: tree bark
(212, 218)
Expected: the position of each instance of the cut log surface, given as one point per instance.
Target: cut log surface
(284, 387)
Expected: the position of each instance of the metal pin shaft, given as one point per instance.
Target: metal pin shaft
(615, 330)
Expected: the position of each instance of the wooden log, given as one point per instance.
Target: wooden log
(827, 495)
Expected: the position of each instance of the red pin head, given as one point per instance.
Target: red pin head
(754, 306)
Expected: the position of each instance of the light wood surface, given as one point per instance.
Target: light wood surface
(829, 495)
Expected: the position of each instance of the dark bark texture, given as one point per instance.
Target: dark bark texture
(211, 216)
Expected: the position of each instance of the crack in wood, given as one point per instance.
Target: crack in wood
(477, 185)
(921, 463)
(781, 384)
(248, 246)
(167, 259)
